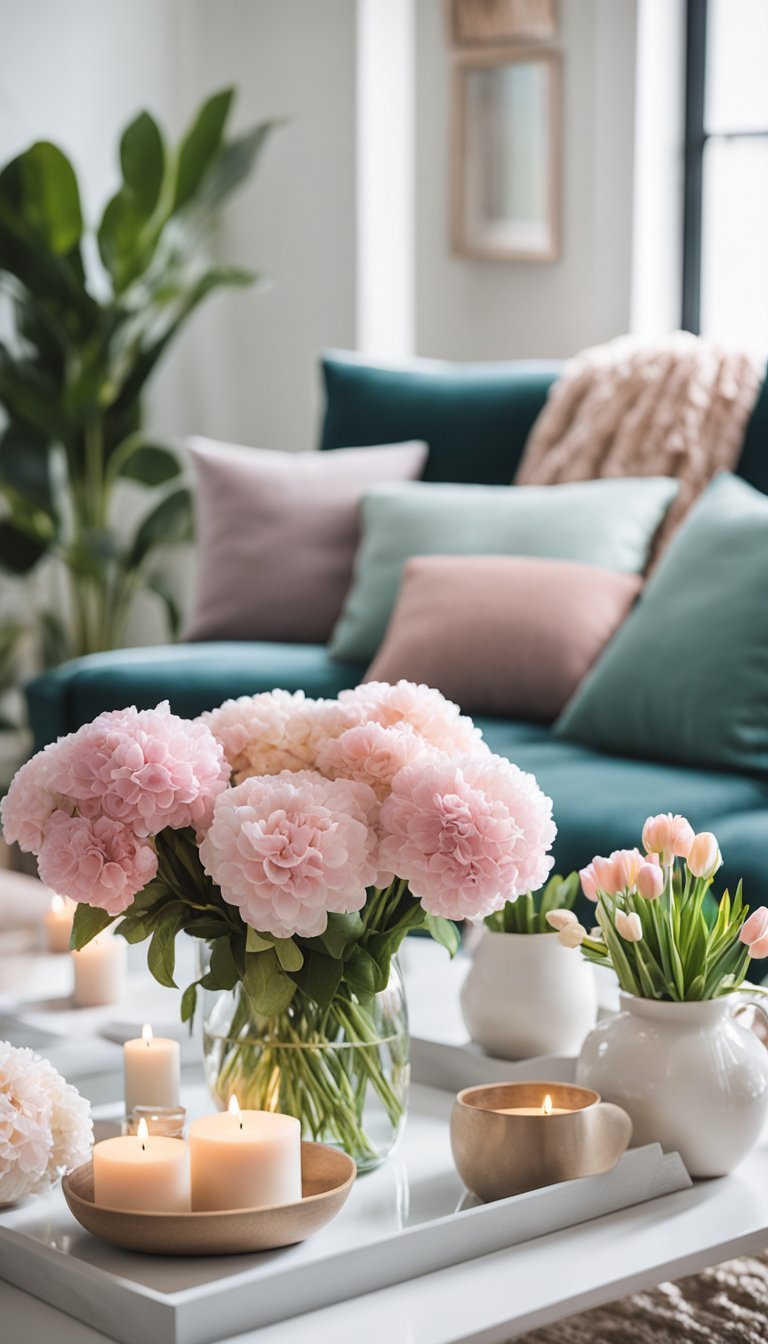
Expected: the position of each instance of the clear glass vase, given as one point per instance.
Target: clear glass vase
(343, 1071)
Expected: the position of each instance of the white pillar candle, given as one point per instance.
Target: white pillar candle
(151, 1070)
(57, 924)
(245, 1160)
(100, 972)
(142, 1171)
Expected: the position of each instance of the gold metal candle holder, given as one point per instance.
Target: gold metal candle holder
(511, 1137)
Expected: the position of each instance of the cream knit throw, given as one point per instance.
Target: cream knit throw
(678, 407)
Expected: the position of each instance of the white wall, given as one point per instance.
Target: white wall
(490, 310)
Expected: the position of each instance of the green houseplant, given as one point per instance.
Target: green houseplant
(85, 341)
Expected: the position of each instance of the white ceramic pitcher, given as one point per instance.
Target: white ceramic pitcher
(525, 994)
(688, 1074)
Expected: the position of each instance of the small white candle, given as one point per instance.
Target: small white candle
(57, 923)
(142, 1171)
(245, 1159)
(100, 972)
(151, 1071)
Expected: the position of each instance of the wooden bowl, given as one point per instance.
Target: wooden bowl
(327, 1176)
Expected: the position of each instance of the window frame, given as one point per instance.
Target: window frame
(696, 139)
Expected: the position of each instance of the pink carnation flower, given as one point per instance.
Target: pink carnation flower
(29, 802)
(289, 849)
(420, 708)
(95, 860)
(147, 769)
(372, 754)
(274, 731)
(468, 834)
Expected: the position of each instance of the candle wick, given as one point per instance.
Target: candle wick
(241, 1124)
(143, 1149)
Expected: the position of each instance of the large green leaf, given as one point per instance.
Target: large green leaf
(25, 466)
(267, 986)
(161, 953)
(168, 524)
(151, 465)
(200, 145)
(142, 159)
(118, 239)
(31, 397)
(19, 552)
(40, 185)
(157, 585)
(232, 165)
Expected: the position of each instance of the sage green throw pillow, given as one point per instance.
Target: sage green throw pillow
(609, 523)
(686, 677)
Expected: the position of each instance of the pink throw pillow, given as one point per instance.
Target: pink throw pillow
(508, 636)
(277, 535)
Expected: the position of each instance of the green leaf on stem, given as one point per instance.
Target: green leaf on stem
(256, 942)
(161, 954)
(268, 987)
(168, 524)
(89, 921)
(40, 185)
(189, 1003)
(200, 145)
(142, 159)
(341, 933)
(323, 977)
(363, 974)
(223, 967)
(289, 954)
(135, 930)
(150, 464)
(444, 932)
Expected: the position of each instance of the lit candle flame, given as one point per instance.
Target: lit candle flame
(58, 905)
(547, 1105)
(146, 1033)
(142, 1132)
(234, 1109)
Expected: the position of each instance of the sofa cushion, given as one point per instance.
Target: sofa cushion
(686, 677)
(277, 535)
(475, 417)
(507, 635)
(193, 677)
(608, 523)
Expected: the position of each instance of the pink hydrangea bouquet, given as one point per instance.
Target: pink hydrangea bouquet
(300, 841)
(657, 925)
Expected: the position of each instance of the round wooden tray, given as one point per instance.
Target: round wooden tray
(327, 1176)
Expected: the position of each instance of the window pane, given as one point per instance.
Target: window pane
(734, 281)
(737, 65)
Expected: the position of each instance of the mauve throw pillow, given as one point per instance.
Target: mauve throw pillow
(510, 636)
(277, 535)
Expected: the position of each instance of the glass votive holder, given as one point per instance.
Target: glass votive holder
(166, 1120)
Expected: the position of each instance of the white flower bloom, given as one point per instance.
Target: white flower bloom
(45, 1125)
(572, 934)
(629, 926)
(559, 918)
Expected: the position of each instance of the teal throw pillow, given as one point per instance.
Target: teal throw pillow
(685, 679)
(609, 523)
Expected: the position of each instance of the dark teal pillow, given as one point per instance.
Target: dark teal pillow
(475, 417)
(686, 677)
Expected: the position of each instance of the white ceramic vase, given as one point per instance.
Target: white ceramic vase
(525, 994)
(689, 1075)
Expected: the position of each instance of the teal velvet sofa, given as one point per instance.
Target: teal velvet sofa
(475, 419)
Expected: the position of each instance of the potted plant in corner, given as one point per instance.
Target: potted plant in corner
(92, 316)
(689, 1075)
(523, 994)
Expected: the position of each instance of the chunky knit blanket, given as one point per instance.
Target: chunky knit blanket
(678, 407)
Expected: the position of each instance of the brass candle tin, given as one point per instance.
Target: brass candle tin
(499, 1155)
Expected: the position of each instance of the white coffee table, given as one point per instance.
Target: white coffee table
(502, 1295)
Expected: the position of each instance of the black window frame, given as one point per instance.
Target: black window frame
(696, 139)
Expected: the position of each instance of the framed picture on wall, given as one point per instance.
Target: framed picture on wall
(506, 156)
(482, 22)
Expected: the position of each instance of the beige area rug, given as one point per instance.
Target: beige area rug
(724, 1305)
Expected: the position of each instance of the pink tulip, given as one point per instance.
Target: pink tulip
(629, 926)
(589, 881)
(704, 857)
(760, 947)
(606, 877)
(756, 927)
(627, 864)
(650, 881)
(668, 834)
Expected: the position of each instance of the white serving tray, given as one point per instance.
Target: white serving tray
(410, 1217)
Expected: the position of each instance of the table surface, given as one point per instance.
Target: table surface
(489, 1299)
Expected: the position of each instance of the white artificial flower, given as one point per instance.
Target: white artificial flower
(629, 926)
(45, 1125)
(559, 918)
